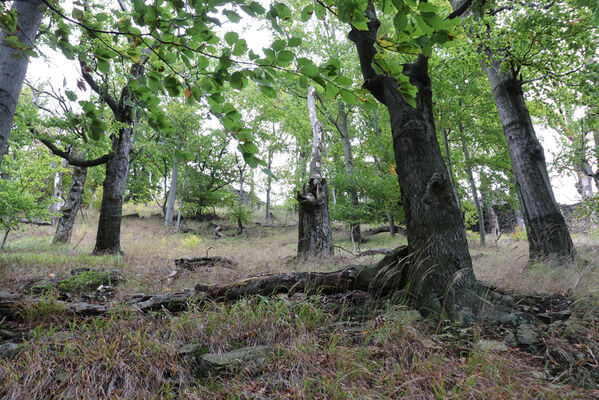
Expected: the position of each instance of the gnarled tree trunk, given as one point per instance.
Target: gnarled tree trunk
(315, 237)
(439, 271)
(64, 228)
(14, 62)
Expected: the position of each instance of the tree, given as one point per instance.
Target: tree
(440, 268)
(504, 63)
(19, 29)
(315, 238)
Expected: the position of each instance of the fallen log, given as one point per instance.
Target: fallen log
(208, 261)
(372, 252)
(353, 277)
(384, 228)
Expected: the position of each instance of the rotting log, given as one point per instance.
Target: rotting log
(207, 261)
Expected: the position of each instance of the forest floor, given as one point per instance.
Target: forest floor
(349, 346)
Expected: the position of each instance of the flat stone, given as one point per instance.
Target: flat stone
(9, 349)
(491, 345)
(528, 334)
(249, 359)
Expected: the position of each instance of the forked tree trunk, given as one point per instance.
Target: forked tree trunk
(315, 237)
(14, 62)
(64, 228)
(439, 272)
(108, 238)
(548, 235)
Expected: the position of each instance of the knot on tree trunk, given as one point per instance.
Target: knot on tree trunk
(438, 191)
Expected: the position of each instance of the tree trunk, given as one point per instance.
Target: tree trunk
(439, 274)
(57, 193)
(172, 196)
(268, 184)
(354, 225)
(315, 237)
(14, 62)
(450, 167)
(74, 200)
(548, 235)
(108, 239)
(477, 205)
(391, 222)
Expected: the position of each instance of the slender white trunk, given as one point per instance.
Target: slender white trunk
(170, 204)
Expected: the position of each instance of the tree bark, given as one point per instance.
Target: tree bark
(439, 274)
(477, 205)
(14, 62)
(315, 237)
(108, 238)
(354, 225)
(450, 167)
(268, 185)
(548, 235)
(172, 196)
(57, 193)
(73, 202)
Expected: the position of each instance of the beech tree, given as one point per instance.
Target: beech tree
(19, 28)
(540, 39)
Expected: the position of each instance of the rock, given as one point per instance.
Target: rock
(510, 340)
(402, 314)
(9, 349)
(491, 345)
(250, 359)
(193, 349)
(528, 335)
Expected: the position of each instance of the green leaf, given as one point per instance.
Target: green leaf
(343, 80)
(307, 67)
(249, 148)
(284, 58)
(303, 82)
(320, 11)
(77, 14)
(400, 21)
(427, 7)
(237, 80)
(71, 95)
(278, 45)
(282, 11)
(231, 38)
(294, 42)
(269, 173)
(232, 16)
(306, 13)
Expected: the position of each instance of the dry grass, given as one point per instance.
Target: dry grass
(327, 350)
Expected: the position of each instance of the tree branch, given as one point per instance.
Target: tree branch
(72, 160)
(96, 88)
